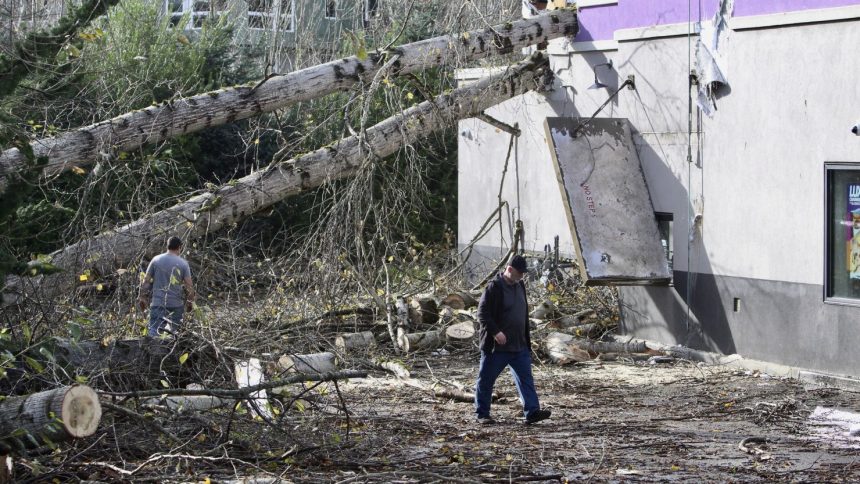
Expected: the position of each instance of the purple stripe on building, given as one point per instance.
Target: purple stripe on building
(601, 22)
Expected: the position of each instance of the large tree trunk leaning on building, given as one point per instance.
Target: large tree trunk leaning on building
(246, 196)
(157, 123)
(48, 417)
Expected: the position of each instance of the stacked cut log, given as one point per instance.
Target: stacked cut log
(48, 417)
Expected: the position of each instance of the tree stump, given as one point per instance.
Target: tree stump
(57, 415)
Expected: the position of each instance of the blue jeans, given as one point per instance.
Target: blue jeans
(160, 317)
(491, 367)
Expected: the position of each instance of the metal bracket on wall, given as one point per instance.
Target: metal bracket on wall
(514, 130)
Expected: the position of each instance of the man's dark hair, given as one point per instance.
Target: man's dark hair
(174, 243)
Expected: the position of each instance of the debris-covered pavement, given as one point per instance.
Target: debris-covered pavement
(618, 421)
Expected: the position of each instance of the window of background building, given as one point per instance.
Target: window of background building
(842, 270)
(664, 227)
(199, 11)
(261, 14)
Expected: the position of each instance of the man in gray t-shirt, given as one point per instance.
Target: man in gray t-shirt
(167, 289)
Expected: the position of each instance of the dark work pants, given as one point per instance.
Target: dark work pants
(491, 367)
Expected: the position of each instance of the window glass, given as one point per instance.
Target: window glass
(259, 12)
(843, 216)
(664, 227)
(331, 9)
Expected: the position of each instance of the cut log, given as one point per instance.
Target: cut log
(460, 300)
(420, 341)
(348, 342)
(423, 311)
(51, 416)
(248, 374)
(188, 115)
(460, 332)
(575, 319)
(562, 349)
(210, 211)
(565, 348)
(312, 364)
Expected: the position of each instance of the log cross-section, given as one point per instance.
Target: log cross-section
(262, 189)
(51, 416)
(188, 115)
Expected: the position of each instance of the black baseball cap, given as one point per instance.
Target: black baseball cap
(518, 262)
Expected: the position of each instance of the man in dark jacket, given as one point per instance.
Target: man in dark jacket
(506, 341)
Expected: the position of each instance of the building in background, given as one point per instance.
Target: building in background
(753, 171)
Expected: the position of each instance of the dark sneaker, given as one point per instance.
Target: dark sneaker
(537, 416)
(486, 420)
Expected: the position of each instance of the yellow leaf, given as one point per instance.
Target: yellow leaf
(509, 457)
(675, 468)
(165, 384)
(410, 96)
(83, 277)
(100, 287)
(183, 358)
(182, 39)
(466, 36)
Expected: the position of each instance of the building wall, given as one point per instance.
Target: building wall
(748, 210)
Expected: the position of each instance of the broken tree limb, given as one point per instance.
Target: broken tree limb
(248, 195)
(241, 393)
(154, 124)
(57, 415)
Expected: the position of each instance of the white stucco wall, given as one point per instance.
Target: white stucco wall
(757, 177)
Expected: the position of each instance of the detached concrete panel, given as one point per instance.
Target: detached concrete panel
(608, 207)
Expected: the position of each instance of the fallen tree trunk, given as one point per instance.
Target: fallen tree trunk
(118, 365)
(47, 417)
(246, 196)
(154, 124)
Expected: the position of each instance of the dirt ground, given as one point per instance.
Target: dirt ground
(612, 421)
(618, 421)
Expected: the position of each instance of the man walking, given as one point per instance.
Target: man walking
(506, 341)
(167, 289)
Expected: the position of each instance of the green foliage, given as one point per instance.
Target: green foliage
(41, 47)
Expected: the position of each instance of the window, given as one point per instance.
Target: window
(331, 9)
(199, 11)
(664, 227)
(842, 270)
(261, 14)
